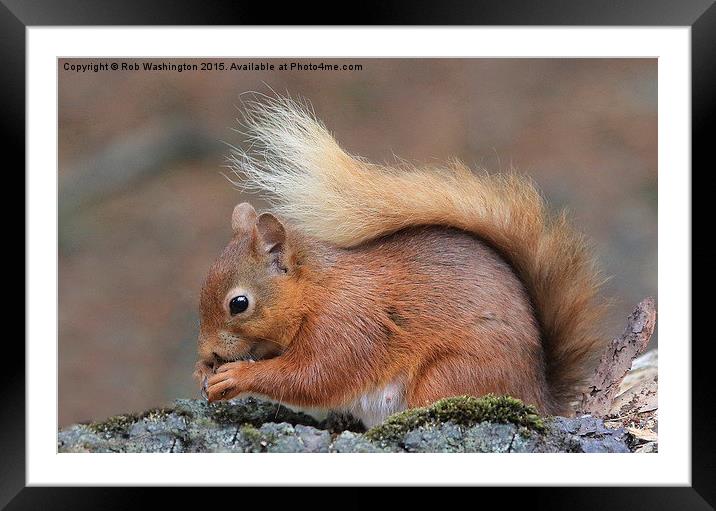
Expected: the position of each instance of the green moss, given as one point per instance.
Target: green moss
(469, 411)
(396, 426)
(462, 410)
(250, 433)
(117, 425)
(252, 439)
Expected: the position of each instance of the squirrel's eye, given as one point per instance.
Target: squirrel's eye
(238, 304)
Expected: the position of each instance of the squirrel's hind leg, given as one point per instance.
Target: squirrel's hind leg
(451, 375)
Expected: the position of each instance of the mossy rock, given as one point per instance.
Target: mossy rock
(458, 424)
(460, 410)
(251, 438)
(114, 426)
(244, 411)
(156, 414)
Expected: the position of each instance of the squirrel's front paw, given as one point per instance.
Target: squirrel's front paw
(202, 372)
(224, 384)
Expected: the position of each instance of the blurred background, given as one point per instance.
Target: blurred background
(143, 208)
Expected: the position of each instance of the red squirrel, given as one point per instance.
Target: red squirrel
(372, 288)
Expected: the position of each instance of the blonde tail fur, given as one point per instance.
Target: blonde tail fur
(345, 200)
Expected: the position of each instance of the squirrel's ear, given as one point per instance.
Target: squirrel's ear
(271, 232)
(272, 241)
(243, 218)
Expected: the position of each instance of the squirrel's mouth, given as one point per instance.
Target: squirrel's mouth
(218, 361)
(258, 350)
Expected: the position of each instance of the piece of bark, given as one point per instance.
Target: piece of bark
(617, 359)
(646, 435)
(638, 399)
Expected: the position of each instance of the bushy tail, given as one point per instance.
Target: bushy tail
(346, 201)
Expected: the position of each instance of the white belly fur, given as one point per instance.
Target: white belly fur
(375, 406)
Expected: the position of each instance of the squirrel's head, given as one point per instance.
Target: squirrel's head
(248, 301)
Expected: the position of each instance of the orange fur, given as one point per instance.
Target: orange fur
(437, 281)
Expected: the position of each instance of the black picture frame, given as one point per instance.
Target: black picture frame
(17, 15)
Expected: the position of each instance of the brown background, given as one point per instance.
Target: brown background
(144, 209)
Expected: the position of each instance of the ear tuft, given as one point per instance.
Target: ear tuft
(243, 218)
(271, 232)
